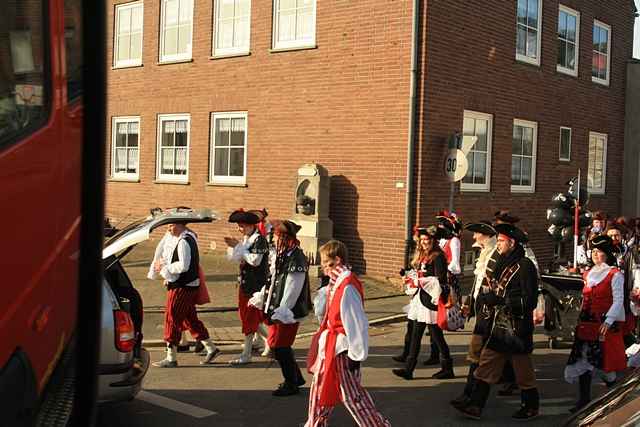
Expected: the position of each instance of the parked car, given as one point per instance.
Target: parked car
(620, 406)
(123, 362)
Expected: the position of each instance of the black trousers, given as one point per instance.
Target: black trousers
(413, 338)
(287, 361)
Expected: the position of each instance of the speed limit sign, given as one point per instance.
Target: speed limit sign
(455, 165)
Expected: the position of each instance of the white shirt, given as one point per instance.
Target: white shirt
(355, 340)
(454, 246)
(480, 271)
(415, 309)
(240, 252)
(597, 275)
(164, 251)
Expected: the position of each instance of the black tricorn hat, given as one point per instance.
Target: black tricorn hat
(260, 213)
(287, 227)
(243, 217)
(603, 243)
(483, 227)
(505, 216)
(430, 230)
(512, 232)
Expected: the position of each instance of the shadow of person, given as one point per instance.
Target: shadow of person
(344, 214)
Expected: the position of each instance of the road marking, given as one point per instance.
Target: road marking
(174, 405)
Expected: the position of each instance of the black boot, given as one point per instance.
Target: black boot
(434, 357)
(530, 406)
(288, 365)
(446, 372)
(479, 396)
(464, 398)
(585, 392)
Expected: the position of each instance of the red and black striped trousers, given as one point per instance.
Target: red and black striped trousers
(180, 314)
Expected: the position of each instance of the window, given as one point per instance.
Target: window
(601, 57)
(176, 24)
(24, 73)
(565, 144)
(127, 43)
(232, 27)
(478, 175)
(597, 167)
(125, 139)
(73, 47)
(294, 23)
(173, 151)
(470, 260)
(528, 31)
(228, 148)
(568, 40)
(523, 156)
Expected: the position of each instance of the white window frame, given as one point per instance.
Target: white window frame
(564, 159)
(576, 14)
(605, 81)
(116, 39)
(226, 179)
(292, 44)
(125, 176)
(525, 58)
(489, 118)
(590, 188)
(230, 51)
(171, 178)
(526, 188)
(162, 58)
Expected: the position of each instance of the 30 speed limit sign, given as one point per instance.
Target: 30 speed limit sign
(455, 165)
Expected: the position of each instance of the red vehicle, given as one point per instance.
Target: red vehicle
(41, 122)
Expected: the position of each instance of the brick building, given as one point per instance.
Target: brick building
(217, 103)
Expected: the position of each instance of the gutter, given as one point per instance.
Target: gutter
(411, 140)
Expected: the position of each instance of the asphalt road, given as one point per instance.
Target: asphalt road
(221, 395)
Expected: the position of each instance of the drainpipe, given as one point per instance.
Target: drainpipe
(409, 203)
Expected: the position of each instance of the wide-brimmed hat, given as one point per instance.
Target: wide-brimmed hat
(241, 216)
(505, 216)
(512, 232)
(482, 227)
(426, 230)
(602, 242)
(449, 222)
(599, 215)
(285, 226)
(260, 213)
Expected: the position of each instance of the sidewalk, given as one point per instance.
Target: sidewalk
(383, 300)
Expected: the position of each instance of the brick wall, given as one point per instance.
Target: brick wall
(470, 64)
(343, 105)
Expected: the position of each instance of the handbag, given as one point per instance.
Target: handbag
(450, 316)
(588, 330)
(503, 338)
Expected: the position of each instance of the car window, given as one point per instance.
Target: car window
(24, 69)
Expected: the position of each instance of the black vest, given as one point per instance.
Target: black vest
(252, 279)
(295, 262)
(192, 273)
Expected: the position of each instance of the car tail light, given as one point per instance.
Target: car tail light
(125, 333)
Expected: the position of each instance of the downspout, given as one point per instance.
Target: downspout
(409, 203)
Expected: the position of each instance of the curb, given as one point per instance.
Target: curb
(395, 318)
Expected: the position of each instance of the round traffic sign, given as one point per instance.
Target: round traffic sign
(455, 165)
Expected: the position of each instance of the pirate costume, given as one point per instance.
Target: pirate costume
(285, 302)
(180, 259)
(426, 285)
(337, 350)
(505, 319)
(602, 303)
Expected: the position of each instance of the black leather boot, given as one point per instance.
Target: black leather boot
(464, 398)
(585, 392)
(530, 405)
(446, 372)
(478, 400)
(434, 357)
(288, 365)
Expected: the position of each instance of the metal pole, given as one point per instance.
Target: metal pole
(576, 226)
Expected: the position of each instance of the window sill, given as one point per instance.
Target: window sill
(229, 55)
(526, 61)
(566, 161)
(566, 71)
(522, 190)
(121, 67)
(225, 184)
(603, 83)
(166, 181)
(177, 61)
(474, 190)
(289, 49)
(123, 179)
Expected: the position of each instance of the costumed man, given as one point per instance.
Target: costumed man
(177, 261)
(598, 222)
(507, 305)
(252, 253)
(449, 227)
(340, 346)
(484, 236)
(285, 302)
(617, 232)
